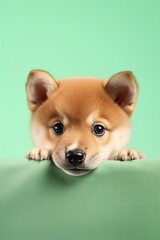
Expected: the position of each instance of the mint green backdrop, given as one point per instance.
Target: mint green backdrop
(71, 38)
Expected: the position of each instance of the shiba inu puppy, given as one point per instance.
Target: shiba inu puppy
(79, 122)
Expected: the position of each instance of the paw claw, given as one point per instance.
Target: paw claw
(131, 154)
(38, 154)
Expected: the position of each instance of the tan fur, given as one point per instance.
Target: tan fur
(79, 103)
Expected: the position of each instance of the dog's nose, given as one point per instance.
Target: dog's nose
(75, 157)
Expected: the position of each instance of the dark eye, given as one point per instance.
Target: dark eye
(98, 130)
(58, 128)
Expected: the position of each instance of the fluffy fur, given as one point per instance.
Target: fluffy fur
(79, 104)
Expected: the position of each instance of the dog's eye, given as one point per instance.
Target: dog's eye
(58, 128)
(98, 130)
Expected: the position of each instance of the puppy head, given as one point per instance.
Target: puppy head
(82, 121)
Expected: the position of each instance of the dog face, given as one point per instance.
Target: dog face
(81, 121)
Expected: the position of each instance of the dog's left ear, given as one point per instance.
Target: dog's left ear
(123, 90)
(39, 86)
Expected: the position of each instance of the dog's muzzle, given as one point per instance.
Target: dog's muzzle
(75, 157)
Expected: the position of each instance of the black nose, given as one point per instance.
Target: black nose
(75, 157)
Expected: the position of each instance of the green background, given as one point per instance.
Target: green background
(76, 38)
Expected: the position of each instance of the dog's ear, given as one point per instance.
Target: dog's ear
(123, 90)
(39, 86)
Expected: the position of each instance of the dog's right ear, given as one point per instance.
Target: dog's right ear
(39, 86)
(123, 90)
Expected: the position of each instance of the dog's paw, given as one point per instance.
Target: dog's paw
(130, 154)
(39, 154)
